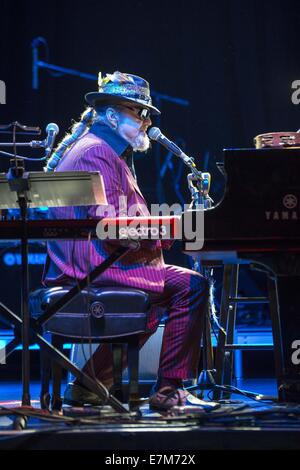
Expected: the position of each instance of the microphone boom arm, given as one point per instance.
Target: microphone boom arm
(199, 192)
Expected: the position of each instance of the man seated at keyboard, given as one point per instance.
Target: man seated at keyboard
(108, 133)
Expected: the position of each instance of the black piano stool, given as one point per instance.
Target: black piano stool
(108, 314)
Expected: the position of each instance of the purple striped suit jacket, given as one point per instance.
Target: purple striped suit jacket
(67, 260)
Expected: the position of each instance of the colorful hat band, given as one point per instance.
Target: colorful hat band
(129, 91)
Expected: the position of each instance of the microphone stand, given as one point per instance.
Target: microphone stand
(19, 183)
(25, 130)
(198, 184)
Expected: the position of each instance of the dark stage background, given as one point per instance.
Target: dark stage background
(233, 61)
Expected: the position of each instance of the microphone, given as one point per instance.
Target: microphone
(52, 129)
(155, 134)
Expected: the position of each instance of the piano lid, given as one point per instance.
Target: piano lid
(261, 199)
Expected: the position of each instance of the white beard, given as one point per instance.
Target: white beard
(141, 143)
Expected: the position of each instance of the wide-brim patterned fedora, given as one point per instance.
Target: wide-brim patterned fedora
(118, 88)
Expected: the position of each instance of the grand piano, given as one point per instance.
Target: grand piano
(258, 221)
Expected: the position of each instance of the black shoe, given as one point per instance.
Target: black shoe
(76, 395)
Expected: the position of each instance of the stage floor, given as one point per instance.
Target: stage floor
(239, 424)
(12, 391)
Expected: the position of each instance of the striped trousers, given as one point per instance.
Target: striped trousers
(183, 301)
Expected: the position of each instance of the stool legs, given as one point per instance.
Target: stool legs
(231, 321)
(45, 372)
(117, 352)
(133, 372)
(117, 389)
(56, 400)
(48, 368)
(222, 336)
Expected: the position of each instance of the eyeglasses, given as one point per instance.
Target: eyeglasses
(142, 113)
